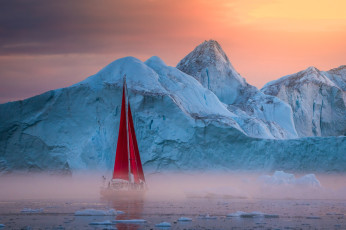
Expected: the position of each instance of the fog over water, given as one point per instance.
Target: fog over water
(83, 185)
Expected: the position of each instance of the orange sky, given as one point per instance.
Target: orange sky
(45, 46)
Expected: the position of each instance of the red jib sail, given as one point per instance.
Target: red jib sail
(127, 153)
(121, 166)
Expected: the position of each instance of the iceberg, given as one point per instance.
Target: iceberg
(282, 178)
(208, 64)
(317, 99)
(179, 121)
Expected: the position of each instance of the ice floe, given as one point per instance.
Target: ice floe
(95, 212)
(313, 217)
(29, 210)
(184, 219)
(242, 214)
(163, 225)
(2, 225)
(106, 222)
(334, 214)
(207, 217)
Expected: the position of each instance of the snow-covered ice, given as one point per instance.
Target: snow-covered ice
(95, 212)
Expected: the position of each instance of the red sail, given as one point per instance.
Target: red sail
(136, 164)
(133, 162)
(121, 166)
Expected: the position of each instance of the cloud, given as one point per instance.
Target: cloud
(87, 26)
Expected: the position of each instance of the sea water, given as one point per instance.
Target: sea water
(233, 201)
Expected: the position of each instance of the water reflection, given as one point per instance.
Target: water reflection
(131, 206)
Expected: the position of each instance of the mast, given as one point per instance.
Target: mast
(127, 130)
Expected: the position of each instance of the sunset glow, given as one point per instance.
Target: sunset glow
(45, 45)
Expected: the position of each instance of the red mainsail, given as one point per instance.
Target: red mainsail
(127, 159)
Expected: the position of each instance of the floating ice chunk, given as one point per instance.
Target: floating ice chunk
(313, 217)
(106, 222)
(308, 180)
(270, 215)
(236, 214)
(184, 219)
(207, 217)
(279, 177)
(120, 212)
(29, 210)
(242, 214)
(2, 225)
(95, 212)
(334, 214)
(282, 178)
(163, 225)
(133, 221)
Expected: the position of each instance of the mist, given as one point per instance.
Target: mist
(163, 186)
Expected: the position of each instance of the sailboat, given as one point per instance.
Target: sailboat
(128, 177)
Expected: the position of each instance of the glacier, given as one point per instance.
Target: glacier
(181, 123)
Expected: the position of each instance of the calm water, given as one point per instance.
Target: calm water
(298, 206)
(293, 214)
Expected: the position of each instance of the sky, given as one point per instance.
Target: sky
(46, 44)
